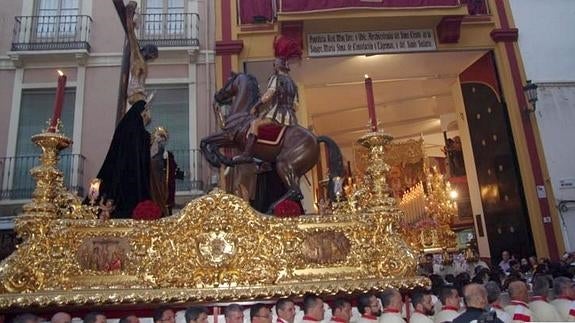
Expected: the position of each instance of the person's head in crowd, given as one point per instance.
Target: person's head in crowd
(26, 318)
(234, 313)
(164, 314)
(493, 292)
(368, 305)
(564, 287)
(61, 317)
(421, 302)
(95, 317)
(475, 296)
(449, 297)
(450, 279)
(313, 307)
(481, 275)
(129, 319)
(505, 256)
(341, 310)
(461, 280)
(512, 277)
(285, 309)
(518, 291)
(523, 262)
(514, 265)
(196, 314)
(496, 275)
(391, 299)
(260, 313)
(541, 286)
(533, 261)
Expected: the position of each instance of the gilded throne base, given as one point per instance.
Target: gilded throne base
(217, 249)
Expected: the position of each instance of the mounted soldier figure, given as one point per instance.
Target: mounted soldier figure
(278, 103)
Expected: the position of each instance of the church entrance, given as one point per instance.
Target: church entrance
(447, 103)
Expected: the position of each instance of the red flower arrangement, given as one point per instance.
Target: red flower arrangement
(146, 210)
(288, 208)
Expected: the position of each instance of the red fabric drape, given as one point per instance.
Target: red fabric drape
(319, 5)
(255, 8)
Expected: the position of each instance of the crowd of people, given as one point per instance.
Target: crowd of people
(533, 291)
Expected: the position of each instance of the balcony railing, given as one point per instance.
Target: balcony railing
(16, 183)
(190, 162)
(169, 29)
(476, 7)
(51, 33)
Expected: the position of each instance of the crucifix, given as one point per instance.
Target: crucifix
(125, 67)
(134, 68)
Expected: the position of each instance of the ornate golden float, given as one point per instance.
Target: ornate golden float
(423, 195)
(216, 249)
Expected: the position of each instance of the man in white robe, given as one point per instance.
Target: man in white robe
(541, 309)
(493, 297)
(369, 308)
(564, 302)
(423, 308)
(518, 308)
(449, 297)
(392, 304)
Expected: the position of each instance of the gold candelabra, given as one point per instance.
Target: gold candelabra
(49, 186)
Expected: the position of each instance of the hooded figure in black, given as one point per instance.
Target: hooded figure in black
(125, 173)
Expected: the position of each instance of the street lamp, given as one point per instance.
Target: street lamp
(530, 90)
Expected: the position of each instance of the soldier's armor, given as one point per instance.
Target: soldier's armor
(284, 99)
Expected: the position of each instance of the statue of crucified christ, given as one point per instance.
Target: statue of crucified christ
(134, 61)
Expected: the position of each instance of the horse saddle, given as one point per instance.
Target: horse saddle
(271, 134)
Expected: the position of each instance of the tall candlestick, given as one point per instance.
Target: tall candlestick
(58, 102)
(370, 103)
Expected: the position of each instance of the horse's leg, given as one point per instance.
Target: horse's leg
(207, 151)
(210, 147)
(291, 180)
(298, 155)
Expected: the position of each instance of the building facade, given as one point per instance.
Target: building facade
(546, 56)
(85, 39)
(442, 70)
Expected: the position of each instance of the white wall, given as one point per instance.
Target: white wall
(547, 45)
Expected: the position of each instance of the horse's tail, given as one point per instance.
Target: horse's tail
(336, 168)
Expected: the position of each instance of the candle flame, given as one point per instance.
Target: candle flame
(366, 76)
(60, 73)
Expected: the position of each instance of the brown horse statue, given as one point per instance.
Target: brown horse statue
(297, 152)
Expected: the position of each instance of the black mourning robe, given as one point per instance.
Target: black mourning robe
(125, 173)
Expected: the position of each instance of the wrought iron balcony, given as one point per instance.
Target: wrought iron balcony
(169, 29)
(51, 33)
(17, 184)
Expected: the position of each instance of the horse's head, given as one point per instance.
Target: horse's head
(225, 95)
(239, 94)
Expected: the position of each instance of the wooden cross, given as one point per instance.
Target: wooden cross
(125, 67)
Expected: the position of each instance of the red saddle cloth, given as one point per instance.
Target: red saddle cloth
(271, 134)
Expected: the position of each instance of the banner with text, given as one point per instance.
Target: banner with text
(370, 42)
